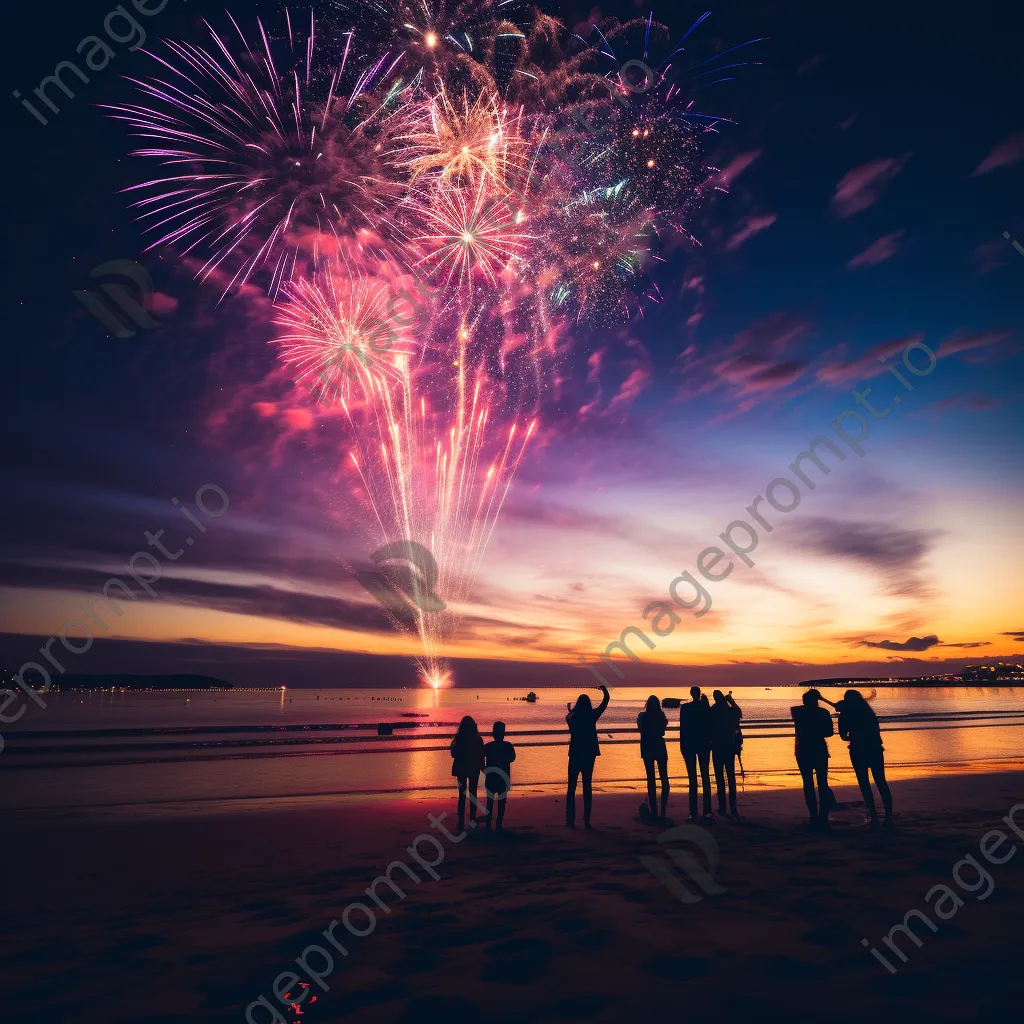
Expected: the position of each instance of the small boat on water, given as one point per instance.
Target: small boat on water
(670, 702)
(531, 698)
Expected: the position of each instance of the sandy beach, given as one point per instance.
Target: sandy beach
(192, 917)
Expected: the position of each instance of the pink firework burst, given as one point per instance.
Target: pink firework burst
(264, 153)
(341, 334)
(474, 232)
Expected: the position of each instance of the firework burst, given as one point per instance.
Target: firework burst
(483, 168)
(342, 335)
(446, 40)
(473, 232)
(474, 142)
(265, 153)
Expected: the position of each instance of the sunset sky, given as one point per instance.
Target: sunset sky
(863, 214)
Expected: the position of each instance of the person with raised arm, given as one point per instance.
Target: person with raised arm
(584, 750)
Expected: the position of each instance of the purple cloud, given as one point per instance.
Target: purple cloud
(863, 186)
(989, 256)
(983, 346)
(759, 363)
(915, 643)
(735, 167)
(1005, 154)
(869, 364)
(971, 403)
(880, 250)
(748, 227)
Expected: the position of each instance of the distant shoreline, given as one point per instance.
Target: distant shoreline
(163, 683)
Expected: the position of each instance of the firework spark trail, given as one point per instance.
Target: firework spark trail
(424, 481)
(482, 150)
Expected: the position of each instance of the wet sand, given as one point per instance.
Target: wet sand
(189, 917)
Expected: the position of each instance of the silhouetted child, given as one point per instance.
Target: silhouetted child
(498, 757)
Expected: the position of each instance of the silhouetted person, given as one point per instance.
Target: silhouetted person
(652, 724)
(498, 754)
(583, 751)
(858, 724)
(467, 750)
(725, 724)
(813, 724)
(695, 744)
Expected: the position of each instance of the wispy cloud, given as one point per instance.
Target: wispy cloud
(870, 364)
(989, 256)
(880, 250)
(759, 363)
(968, 403)
(735, 167)
(984, 346)
(914, 643)
(640, 373)
(897, 554)
(748, 227)
(1005, 154)
(863, 186)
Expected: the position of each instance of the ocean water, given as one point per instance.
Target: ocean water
(173, 749)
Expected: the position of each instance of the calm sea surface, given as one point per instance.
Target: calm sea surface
(123, 750)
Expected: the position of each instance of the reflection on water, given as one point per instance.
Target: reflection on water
(149, 748)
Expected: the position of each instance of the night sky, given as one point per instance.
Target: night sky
(876, 161)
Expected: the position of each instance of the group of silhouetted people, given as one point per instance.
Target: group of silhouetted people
(706, 732)
(710, 737)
